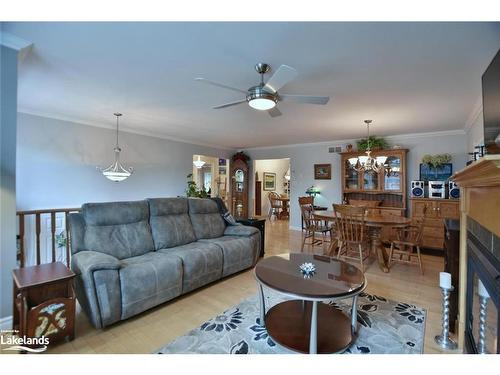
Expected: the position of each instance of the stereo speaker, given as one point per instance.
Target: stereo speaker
(453, 190)
(417, 189)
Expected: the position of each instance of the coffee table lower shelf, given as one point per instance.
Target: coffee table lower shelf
(289, 324)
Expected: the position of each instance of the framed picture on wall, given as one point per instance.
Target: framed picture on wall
(442, 173)
(322, 171)
(222, 170)
(222, 161)
(269, 181)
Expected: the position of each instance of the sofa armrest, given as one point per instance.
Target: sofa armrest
(90, 261)
(97, 286)
(240, 231)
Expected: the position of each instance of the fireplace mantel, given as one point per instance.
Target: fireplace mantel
(480, 200)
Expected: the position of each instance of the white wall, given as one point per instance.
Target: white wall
(56, 164)
(303, 157)
(278, 166)
(475, 131)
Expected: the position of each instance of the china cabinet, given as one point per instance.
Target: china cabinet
(383, 192)
(388, 189)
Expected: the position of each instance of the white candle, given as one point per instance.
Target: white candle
(481, 290)
(445, 280)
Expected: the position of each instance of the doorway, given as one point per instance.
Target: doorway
(272, 188)
(210, 176)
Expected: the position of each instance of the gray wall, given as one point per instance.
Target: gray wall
(59, 158)
(302, 158)
(8, 113)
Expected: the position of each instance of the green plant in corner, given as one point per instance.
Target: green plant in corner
(375, 143)
(437, 160)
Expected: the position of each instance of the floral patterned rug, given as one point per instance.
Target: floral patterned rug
(384, 327)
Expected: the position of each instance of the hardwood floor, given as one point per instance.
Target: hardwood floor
(154, 328)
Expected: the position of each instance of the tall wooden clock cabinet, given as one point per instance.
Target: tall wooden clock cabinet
(239, 185)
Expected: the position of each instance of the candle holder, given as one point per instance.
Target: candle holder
(483, 304)
(444, 340)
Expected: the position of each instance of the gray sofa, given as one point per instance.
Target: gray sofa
(132, 256)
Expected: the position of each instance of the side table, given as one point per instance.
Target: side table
(44, 301)
(260, 224)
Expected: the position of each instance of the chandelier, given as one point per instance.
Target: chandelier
(198, 163)
(116, 172)
(367, 163)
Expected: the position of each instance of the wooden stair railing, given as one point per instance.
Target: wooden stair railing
(38, 228)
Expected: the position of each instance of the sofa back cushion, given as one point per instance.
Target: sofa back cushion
(170, 222)
(120, 229)
(206, 218)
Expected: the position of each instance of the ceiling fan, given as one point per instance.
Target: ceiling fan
(265, 96)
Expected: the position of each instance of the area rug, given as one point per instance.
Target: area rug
(385, 327)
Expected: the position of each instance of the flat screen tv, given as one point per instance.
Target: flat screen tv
(491, 106)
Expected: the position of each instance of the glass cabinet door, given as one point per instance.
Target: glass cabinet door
(351, 177)
(370, 180)
(392, 177)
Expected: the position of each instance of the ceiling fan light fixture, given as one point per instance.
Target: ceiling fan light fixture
(262, 104)
(260, 99)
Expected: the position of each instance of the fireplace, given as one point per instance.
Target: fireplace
(482, 326)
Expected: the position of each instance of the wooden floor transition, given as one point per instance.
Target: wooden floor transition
(154, 328)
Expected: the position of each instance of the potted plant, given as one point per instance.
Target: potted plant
(192, 191)
(375, 144)
(436, 161)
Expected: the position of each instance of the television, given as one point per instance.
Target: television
(491, 106)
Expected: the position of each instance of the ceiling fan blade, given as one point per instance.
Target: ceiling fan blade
(280, 78)
(230, 104)
(204, 80)
(309, 99)
(274, 112)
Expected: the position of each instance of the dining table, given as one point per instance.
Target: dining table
(375, 223)
(284, 206)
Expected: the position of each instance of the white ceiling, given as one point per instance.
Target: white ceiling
(407, 77)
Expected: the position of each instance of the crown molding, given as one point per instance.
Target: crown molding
(344, 141)
(122, 129)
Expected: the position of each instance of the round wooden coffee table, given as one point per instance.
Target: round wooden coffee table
(303, 324)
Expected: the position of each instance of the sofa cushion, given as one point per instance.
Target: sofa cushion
(238, 253)
(170, 222)
(240, 230)
(201, 262)
(206, 218)
(120, 229)
(148, 280)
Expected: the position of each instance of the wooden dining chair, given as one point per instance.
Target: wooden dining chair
(274, 205)
(318, 233)
(352, 233)
(406, 247)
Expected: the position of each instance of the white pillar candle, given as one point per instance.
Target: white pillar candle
(445, 280)
(481, 290)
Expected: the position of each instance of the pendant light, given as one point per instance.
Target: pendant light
(116, 172)
(367, 163)
(198, 163)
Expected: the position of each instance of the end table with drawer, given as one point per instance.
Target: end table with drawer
(44, 301)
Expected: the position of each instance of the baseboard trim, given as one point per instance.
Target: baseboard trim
(6, 323)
